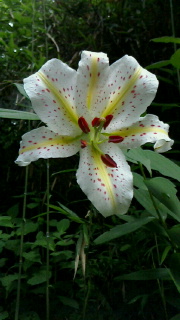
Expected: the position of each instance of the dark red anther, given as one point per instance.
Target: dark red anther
(115, 139)
(96, 122)
(108, 120)
(83, 125)
(83, 144)
(108, 161)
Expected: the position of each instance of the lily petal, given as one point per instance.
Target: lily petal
(44, 143)
(91, 79)
(147, 129)
(130, 90)
(109, 189)
(51, 91)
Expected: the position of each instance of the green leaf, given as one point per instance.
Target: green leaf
(175, 269)
(4, 315)
(63, 225)
(8, 280)
(5, 221)
(159, 64)
(175, 59)
(31, 315)
(151, 274)
(165, 166)
(69, 302)
(166, 39)
(29, 227)
(122, 230)
(165, 253)
(139, 156)
(20, 87)
(15, 114)
(39, 277)
(32, 256)
(176, 317)
(67, 212)
(164, 190)
(174, 233)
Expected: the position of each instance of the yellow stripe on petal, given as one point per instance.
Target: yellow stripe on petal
(59, 97)
(61, 141)
(103, 173)
(117, 98)
(137, 130)
(93, 73)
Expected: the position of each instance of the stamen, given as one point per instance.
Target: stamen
(83, 125)
(108, 161)
(108, 120)
(83, 144)
(115, 139)
(96, 122)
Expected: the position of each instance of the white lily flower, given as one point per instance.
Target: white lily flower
(95, 110)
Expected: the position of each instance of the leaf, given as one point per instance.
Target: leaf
(5, 221)
(39, 277)
(29, 227)
(66, 211)
(151, 274)
(174, 269)
(165, 166)
(31, 315)
(164, 190)
(159, 64)
(63, 225)
(4, 315)
(165, 253)
(15, 114)
(32, 256)
(122, 230)
(174, 233)
(69, 302)
(166, 39)
(175, 59)
(20, 87)
(139, 156)
(8, 280)
(176, 317)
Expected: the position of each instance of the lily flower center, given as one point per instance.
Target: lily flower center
(94, 136)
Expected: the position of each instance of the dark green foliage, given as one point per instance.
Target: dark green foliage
(133, 263)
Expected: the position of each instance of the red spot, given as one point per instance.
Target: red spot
(98, 74)
(54, 101)
(43, 137)
(29, 141)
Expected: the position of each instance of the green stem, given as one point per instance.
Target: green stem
(21, 246)
(47, 250)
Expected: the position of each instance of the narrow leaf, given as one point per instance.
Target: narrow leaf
(122, 230)
(151, 274)
(15, 114)
(166, 39)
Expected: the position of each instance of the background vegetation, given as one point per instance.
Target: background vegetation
(133, 263)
